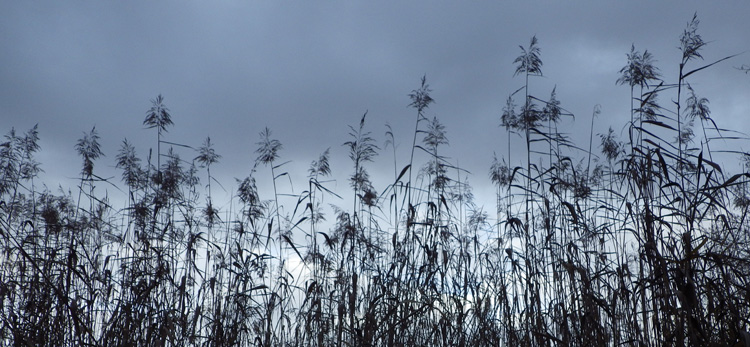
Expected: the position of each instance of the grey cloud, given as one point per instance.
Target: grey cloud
(307, 70)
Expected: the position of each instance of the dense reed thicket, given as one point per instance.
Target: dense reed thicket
(642, 241)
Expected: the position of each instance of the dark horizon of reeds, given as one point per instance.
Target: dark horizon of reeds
(641, 241)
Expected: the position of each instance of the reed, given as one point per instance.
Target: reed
(642, 242)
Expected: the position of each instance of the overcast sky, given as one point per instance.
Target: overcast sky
(308, 69)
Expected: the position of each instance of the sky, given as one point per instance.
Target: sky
(309, 69)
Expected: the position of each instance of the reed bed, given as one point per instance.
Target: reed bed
(640, 241)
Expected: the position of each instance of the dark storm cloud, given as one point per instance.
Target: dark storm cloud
(307, 70)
